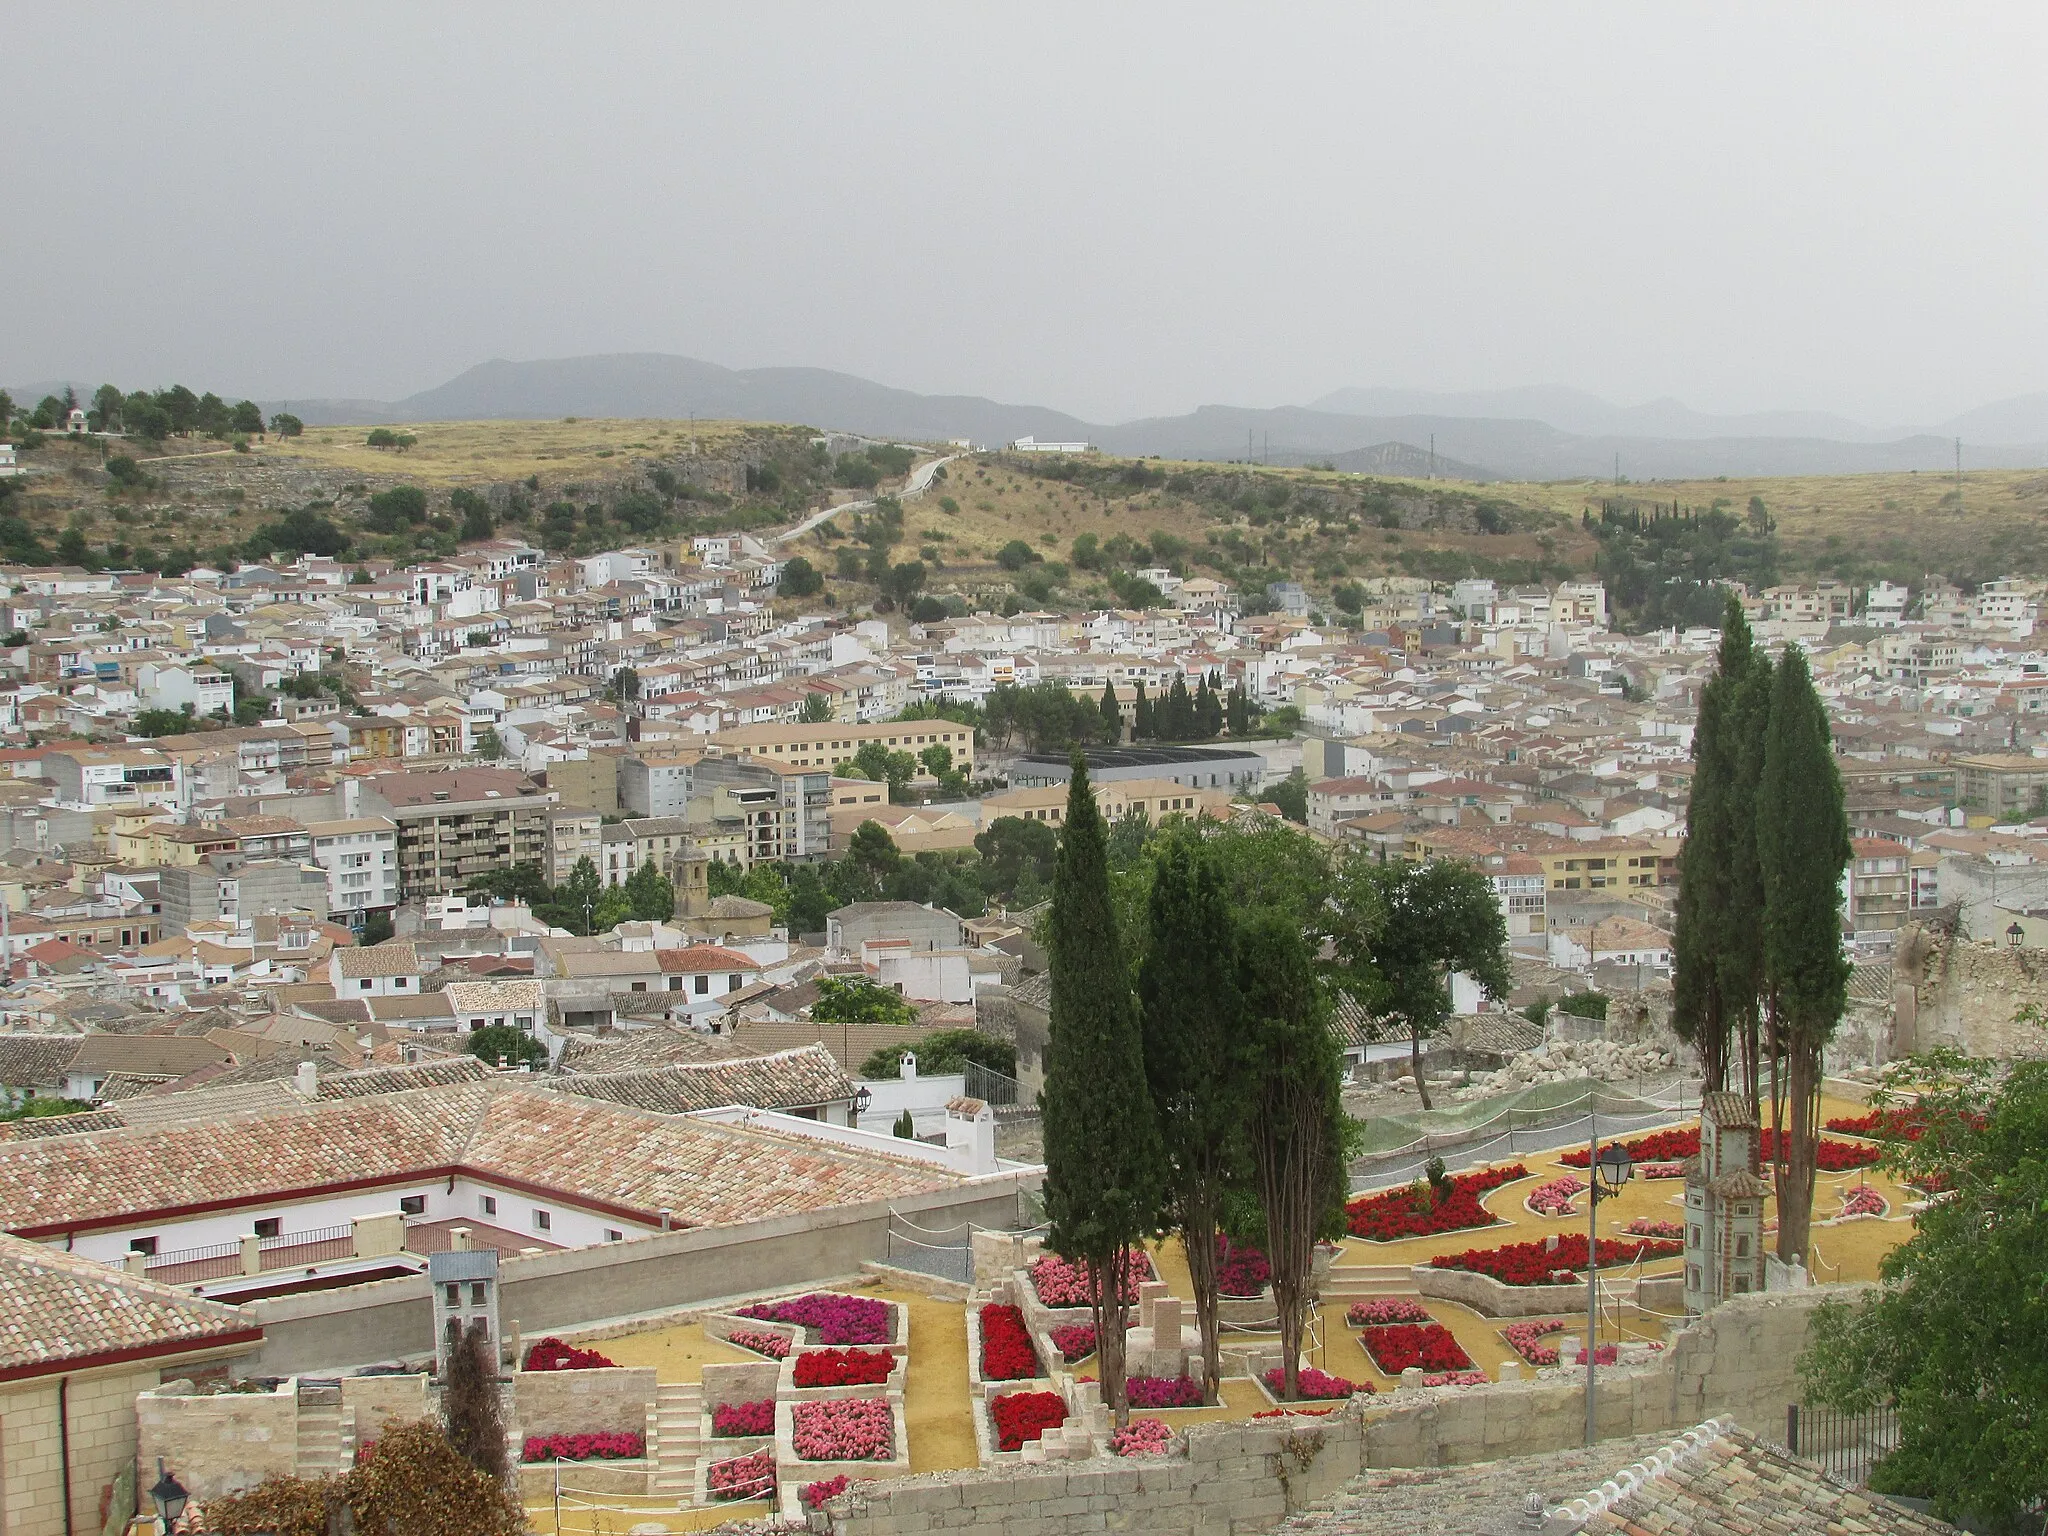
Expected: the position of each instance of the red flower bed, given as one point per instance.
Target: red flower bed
(596, 1447)
(1395, 1347)
(1021, 1416)
(1006, 1352)
(552, 1354)
(1539, 1263)
(743, 1477)
(1832, 1156)
(815, 1494)
(1907, 1123)
(1074, 1341)
(1675, 1146)
(1163, 1392)
(1410, 1212)
(843, 1367)
(1319, 1385)
(1241, 1270)
(731, 1420)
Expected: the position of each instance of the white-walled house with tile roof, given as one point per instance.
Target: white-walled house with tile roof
(391, 969)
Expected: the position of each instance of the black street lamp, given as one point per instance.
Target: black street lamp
(2015, 936)
(169, 1496)
(1607, 1169)
(861, 1100)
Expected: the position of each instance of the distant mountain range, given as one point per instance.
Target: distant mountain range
(1540, 432)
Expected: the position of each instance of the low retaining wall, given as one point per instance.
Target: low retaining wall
(612, 1401)
(220, 1443)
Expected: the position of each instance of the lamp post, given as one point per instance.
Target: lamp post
(168, 1495)
(2015, 936)
(1606, 1171)
(861, 1100)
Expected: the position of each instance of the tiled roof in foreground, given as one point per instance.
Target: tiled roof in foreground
(57, 1309)
(628, 1161)
(793, 1079)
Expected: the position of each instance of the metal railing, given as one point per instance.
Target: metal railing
(290, 1249)
(992, 1087)
(188, 1266)
(1845, 1445)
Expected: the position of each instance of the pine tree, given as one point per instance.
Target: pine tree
(1112, 716)
(1803, 844)
(1293, 1081)
(1104, 1167)
(1193, 1014)
(1141, 715)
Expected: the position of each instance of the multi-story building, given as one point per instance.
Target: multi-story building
(834, 743)
(360, 858)
(2006, 786)
(231, 887)
(786, 810)
(115, 776)
(574, 832)
(591, 780)
(461, 822)
(1878, 885)
(655, 783)
(1152, 798)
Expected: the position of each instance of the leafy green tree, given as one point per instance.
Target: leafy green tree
(285, 424)
(475, 512)
(44, 1107)
(816, 710)
(1292, 1078)
(1086, 553)
(72, 548)
(506, 1042)
(857, 1000)
(246, 417)
(488, 746)
(161, 722)
(878, 765)
(1955, 1334)
(576, 899)
(613, 908)
(652, 894)
(1017, 858)
(1422, 921)
(376, 928)
(1291, 795)
(396, 509)
(800, 578)
(1193, 1015)
(943, 1051)
(1105, 1167)
(872, 848)
(1803, 841)
(252, 707)
(301, 532)
(1016, 554)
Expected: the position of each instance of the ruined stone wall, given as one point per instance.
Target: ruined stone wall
(1965, 993)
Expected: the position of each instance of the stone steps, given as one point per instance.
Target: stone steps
(1354, 1280)
(678, 1408)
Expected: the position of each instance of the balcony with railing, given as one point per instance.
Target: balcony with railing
(367, 1237)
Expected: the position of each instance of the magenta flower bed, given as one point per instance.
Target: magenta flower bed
(1074, 1341)
(1065, 1283)
(1864, 1201)
(551, 1354)
(1145, 1437)
(733, 1420)
(1163, 1392)
(593, 1447)
(743, 1477)
(1241, 1270)
(854, 1429)
(815, 1494)
(1315, 1384)
(836, 1319)
(774, 1345)
(1380, 1313)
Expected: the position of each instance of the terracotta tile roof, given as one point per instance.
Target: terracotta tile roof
(57, 1309)
(35, 1061)
(704, 957)
(147, 1055)
(658, 1047)
(395, 958)
(796, 1079)
(495, 997)
(439, 1072)
(587, 1151)
(428, 1006)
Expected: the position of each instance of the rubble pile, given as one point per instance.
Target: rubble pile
(1611, 1061)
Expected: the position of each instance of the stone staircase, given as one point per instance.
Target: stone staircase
(672, 1442)
(319, 1451)
(1353, 1282)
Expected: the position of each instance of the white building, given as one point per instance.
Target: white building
(1885, 605)
(1033, 445)
(175, 686)
(1611, 941)
(360, 858)
(382, 970)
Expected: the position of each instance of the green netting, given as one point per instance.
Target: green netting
(1537, 1104)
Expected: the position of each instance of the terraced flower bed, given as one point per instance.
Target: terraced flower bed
(1552, 1261)
(1067, 1283)
(1863, 1201)
(1145, 1437)
(1678, 1145)
(1006, 1350)
(835, 1319)
(742, 1420)
(775, 1346)
(1241, 1270)
(1381, 1311)
(1315, 1385)
(1022, 1416)
(1163, 1392)
(1417, 1211)
(843, 1367)
(743, 1477)
(1555, 1197)
(1074, 1341)
(1396, 1347)
(849, 1429)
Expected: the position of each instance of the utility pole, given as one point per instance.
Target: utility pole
(1432, 455)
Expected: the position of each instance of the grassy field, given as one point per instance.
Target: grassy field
(450, 453)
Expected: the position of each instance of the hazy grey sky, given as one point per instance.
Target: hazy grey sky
(1114, 209)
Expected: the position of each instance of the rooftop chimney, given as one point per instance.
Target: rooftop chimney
(308, 1082)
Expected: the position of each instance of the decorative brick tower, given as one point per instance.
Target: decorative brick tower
(1724, 1206)
(465, 1291)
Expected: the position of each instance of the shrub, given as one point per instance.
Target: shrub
(843, 1367)
(1006, 1352)
(1022, 1416)
(735, 1420)
(551, 1354)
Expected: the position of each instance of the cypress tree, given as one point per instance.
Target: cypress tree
(1178, 713)
(1239, 711)
(1104, 1167)
(1699, 1013)
(1141, 715)
(1187, 987)
(1293, 1081)
(1209, 712)
(1112, 716)
(1803, 846)
(1742, 946)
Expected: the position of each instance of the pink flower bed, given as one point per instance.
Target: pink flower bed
(853, 1429)
(1456, 1379)
(1163, 1392)
(1864, 1201)
(743, 1477)
(1555, 1198)
(836, 1319)
(593, 1447)
(552, 1354)
(1315, 1384)
(1526, 1340)
(1661, 1170)
(733, 1420)
(1065, 1283)
(1645, 1226)
(1145, 1437)
(1074, 1341)
(774, 1345)
(1380, 1313)
(815, 1494)
(1241, 1270)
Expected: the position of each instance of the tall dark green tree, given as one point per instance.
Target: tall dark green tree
(1193, 1019)
(1292, 1078)
(1803, 843)
(1237, 712)
(1742, 949)
(1142, 726)
(1112, 715)
(1176, 720)
(1431, 919)
(1699, 1013)
(1104, 1166)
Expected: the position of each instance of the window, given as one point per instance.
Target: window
(614, 1235)
(488, 1204)
(142, 1245)
(453, 1294)
(1692, 1237)
(364, 985)
(476, 1293)
(1741, 1283)
(732, 982)
(1742, 1247)
(703, 985)
(639, 986)
(543, 1222)
(412, 1205)
(398, 983)
(270, 1226)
